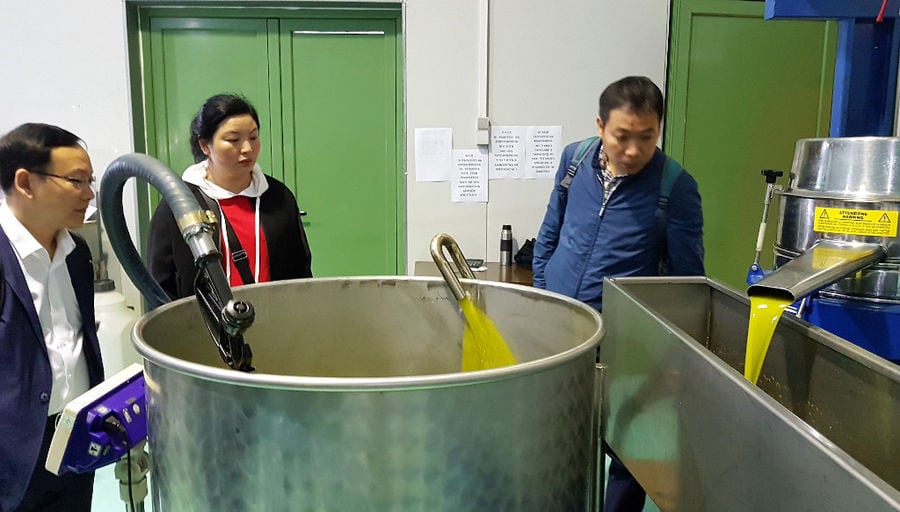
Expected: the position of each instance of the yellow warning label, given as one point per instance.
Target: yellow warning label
(856, 222)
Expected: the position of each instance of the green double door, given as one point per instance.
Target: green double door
(328, 92)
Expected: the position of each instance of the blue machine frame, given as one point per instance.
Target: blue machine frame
(864, 104)
(865, 75)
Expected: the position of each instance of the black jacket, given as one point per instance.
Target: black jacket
(172, 265)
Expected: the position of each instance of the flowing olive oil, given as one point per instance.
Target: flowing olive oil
(764, 315)
(483, 346)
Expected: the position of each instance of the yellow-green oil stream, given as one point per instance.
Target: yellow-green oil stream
(764, 315)
(483, 346)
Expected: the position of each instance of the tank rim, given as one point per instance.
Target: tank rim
(351, 384)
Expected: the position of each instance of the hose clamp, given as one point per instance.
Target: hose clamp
(189, 220)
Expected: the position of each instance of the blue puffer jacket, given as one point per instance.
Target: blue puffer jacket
(576, 247)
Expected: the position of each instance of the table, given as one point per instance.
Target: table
(495, 272)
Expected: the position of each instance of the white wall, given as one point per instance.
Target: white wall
(65, 63)
(548, 63)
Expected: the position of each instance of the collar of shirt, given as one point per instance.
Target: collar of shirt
(23, 241)
(605, 176)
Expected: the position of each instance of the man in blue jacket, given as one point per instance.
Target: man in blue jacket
(619, 207)
(49, 352)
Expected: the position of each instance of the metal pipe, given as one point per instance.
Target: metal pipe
(438, 244)
(771, 175)
(598, 490)
(824, 263)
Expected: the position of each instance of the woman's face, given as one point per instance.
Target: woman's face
(234, 147)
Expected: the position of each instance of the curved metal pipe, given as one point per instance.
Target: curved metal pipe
(438, 243)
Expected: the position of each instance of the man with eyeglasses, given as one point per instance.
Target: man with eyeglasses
(49, 352)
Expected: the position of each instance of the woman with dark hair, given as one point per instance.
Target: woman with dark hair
(259, 230)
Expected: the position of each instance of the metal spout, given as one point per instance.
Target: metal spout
(438, 243)
(824, 263)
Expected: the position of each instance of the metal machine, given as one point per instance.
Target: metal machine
(106, 425)
(837, 250)
(99, 426)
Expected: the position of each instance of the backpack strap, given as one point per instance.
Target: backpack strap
(580, 153)
(671, 171)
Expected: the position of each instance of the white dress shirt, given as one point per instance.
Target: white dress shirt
(56, 305)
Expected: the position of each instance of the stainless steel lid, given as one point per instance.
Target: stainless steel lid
(858, 168)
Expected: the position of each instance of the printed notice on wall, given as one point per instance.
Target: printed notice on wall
(470, 176)
(507, 158)
(529, 152)
(433, 159)
(542, 147)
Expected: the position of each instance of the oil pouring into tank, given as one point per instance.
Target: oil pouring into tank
(483, 346)
(836, 252)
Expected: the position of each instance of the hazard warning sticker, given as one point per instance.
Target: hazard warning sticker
(856, 222)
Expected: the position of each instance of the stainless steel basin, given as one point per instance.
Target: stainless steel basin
(358, 402)
(820, 433)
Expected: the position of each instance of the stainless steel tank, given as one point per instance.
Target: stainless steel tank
(358, 404)
(821, 431)
(848, 190)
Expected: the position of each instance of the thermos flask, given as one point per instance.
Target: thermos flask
(506, 245)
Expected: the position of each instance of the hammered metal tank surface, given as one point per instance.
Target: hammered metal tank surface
(845, 173)
(358, 403)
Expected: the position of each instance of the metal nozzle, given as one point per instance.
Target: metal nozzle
(226, 318)
(819, 266)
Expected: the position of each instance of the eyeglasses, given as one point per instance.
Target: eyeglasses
(76, 182)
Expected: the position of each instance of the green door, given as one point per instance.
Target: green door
(741, 91)
(328, 95)
(340, 101)
(190, 60)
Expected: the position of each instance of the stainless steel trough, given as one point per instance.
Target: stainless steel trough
(820, 433)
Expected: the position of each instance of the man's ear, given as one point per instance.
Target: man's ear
(22, 182)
